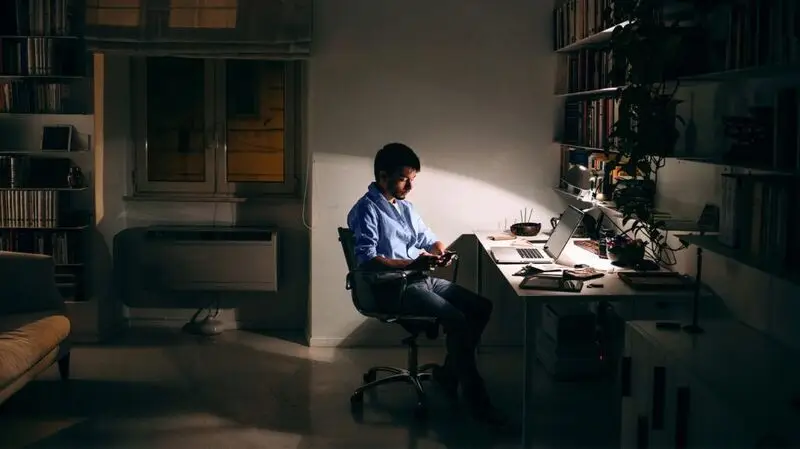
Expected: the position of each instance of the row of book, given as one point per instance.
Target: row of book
(588, 123)
(578, 19)
(762, 33)
(64, 247)
(30, 208)
(38, 98)
(36, 17)
(40, 56)
(589, 69)
(757, 216)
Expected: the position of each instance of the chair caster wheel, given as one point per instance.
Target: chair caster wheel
(370, 376)
(356, 400)
(421, 411)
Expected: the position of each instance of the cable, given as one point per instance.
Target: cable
(306, 182)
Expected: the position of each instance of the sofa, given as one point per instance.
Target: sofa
(34, 328)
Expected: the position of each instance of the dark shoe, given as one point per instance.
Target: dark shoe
(481, 408)
(446, 380)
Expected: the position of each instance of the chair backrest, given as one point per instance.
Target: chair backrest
(348, 240)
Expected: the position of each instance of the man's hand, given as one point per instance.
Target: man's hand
(438, 249)
(447, 259)
(425, 261)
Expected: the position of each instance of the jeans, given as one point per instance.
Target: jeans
(462, 313)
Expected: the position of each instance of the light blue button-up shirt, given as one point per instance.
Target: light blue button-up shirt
(383, 229)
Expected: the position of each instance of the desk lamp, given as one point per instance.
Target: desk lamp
(709, 221)
(695, 328)
(593, 221)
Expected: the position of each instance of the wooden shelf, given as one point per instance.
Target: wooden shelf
(604, 92)
(47, 189)
(45, 228)
(41, 37)
(42, 77)
(594, 40)
(42, 152)
(585, 148)
(607, 206)
(722, 162)
(712, 243)
(742, 74)
(43, 114)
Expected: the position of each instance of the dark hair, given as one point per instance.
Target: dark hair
(393, 157)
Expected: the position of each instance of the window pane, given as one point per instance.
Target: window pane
(195, 14)
(175, 120)
(255, 121)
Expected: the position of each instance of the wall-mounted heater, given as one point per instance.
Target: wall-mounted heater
(194, 258)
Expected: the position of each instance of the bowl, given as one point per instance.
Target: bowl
(526, 229)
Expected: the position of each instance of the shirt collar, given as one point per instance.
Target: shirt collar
(375, 193)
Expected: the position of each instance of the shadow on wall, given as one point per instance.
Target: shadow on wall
(470, 105)
(103, 287)
(135, 278)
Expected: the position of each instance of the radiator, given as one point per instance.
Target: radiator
(209, 259)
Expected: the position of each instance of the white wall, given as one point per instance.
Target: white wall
(467, 83)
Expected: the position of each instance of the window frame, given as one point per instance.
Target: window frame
(216, 185)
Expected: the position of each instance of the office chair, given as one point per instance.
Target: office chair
(364, 286)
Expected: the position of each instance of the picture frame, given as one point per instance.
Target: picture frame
(57, 138)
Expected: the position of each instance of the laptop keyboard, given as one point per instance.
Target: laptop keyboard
(530, 253)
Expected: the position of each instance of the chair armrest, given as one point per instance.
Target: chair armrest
(379, 291)
(29, 284)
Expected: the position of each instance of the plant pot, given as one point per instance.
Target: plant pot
(526, 229)
(626, 255)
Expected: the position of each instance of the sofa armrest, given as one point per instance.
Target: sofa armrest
(28, 284)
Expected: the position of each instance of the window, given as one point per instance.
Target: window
(118, 13)
(194, 14)
(217, 127)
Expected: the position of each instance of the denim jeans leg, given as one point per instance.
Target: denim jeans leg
(463, 316)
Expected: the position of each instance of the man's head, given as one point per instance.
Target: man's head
(396, 166)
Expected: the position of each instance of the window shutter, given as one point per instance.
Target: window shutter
(205, 28)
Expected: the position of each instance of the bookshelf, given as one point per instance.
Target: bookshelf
(46, 199)
(750, 45)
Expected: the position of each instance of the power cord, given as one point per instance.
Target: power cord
(306, 183)
(209, 325)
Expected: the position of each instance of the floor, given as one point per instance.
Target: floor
(158, 388)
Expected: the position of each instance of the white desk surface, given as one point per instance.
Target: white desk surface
(613, 287)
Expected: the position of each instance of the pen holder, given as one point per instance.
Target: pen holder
(526, 229)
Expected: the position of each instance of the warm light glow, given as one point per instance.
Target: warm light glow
(117, 13)
(214, 14)
(97, 140)
(451, 204)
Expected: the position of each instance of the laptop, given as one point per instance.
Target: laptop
(551, 250)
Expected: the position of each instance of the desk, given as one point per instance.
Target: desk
(614, 290)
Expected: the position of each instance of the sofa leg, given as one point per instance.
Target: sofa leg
(63, 366)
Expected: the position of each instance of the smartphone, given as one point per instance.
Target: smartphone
(447, 258)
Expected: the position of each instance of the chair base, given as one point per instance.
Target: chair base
(413, 377)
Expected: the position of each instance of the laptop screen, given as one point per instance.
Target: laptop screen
(569, 222)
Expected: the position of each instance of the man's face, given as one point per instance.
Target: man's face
(398, 184)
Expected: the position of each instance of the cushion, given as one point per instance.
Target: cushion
(25, 339)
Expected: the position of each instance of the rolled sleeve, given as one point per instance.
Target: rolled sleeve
(364, 224)
(426, 237)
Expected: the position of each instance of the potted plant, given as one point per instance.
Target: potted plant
(648, 49)
(625, 251)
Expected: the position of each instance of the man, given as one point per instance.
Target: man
(389, 234)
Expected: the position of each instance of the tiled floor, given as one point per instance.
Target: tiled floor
(162, 389)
